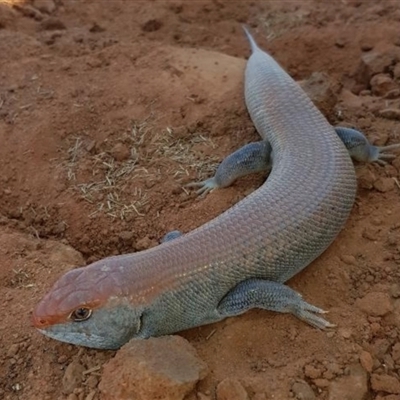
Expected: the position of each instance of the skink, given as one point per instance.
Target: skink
(239, 260)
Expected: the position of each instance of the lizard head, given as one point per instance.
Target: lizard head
(86, 307)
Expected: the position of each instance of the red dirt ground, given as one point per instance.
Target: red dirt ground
(108, 107)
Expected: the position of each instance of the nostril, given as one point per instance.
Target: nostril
(38, 322)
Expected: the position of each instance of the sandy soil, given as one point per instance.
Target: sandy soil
(108, 107)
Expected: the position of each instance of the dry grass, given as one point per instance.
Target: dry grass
(187, 161)
(154, 155)
(106, 194)
(20, 279)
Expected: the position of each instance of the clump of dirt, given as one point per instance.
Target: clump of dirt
(108, 108)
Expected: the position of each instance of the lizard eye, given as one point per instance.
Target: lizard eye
(81, 314)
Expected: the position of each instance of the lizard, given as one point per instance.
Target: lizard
(241, 259)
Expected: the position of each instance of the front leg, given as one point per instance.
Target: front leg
(272, 296)
(253, 157)
(256, 157)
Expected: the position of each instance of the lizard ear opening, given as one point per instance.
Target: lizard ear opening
(81, 314)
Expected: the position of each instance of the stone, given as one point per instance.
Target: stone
(366, 178)
(395, 287)
(366, 361)
(120, 152)
(92, 395)
(350, 100)
(390, 113)
(385, 383)
(303, 391)
(351, 387)
(145, 243)
(377, 61)
(348, 259)
(384, 184)
(381, 84)
(376, 304)
(72, 378)
(321, 383)
(13, 350)
(311, 372)
(380, 347)
(126, 236)
(231, 389)
(94, 62)
(345, 332)
(392, 94)
(164, 368)
(371, 233)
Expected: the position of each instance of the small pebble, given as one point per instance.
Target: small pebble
(72, 378)
(321, 383)
(13, 350)
(354, 386)
(348, 259)
(303, 391)
(381, 84)
(120, 152)
(376, 304)
(231, 389)
(390, 113)
(311, 372)
(165, 367)
(366, 361)
(384, 184)
(370, 233)
(385, 383)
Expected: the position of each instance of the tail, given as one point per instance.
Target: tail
(253, 44)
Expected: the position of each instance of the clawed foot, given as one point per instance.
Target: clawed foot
(205, 186)
(307, 312)
(381, 156)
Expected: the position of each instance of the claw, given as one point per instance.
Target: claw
(307, 312)
(380, 153)
(389, 147)
(387, 156)
(206, 186)
(313, 319)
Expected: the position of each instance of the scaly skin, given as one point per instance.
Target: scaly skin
(270, 235)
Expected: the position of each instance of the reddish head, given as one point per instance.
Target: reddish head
(87, 306)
